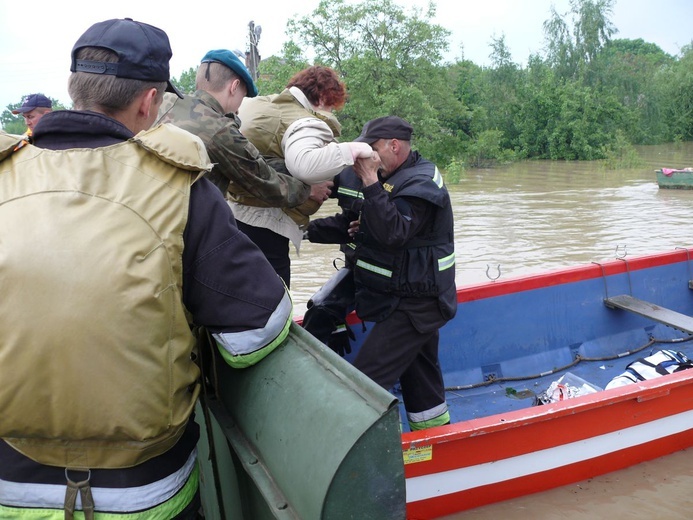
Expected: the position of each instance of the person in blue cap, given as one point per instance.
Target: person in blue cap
(33, 109)
(115, 251)
(239, 170)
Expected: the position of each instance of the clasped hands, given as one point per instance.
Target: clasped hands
(366, 164)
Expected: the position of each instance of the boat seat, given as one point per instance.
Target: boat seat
(650, 310)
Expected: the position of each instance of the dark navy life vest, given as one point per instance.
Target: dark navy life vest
(424, 267)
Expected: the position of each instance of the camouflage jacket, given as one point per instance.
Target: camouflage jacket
(239, 168)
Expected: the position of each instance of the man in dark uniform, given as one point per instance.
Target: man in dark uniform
(405, 269)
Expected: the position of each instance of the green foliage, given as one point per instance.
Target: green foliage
(336, 31)
(675, 88)
(627, 69)
(486, 150)
(275, 72)
(391, 62)
(568, 104)
(621, 155)
(454, 171)
(574, 44)
(587, 122)
(13, 126)
(500, 94)
(186, 82)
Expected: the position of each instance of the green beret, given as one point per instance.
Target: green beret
(232, 61)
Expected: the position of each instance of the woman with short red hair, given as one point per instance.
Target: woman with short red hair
(298, 127)
(321, 86)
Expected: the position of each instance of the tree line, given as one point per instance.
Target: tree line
(588, 96)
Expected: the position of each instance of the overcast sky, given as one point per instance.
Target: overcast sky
(35, 51)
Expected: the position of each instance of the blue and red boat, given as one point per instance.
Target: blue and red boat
(509, 342)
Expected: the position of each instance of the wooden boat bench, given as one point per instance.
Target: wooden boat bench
(650, 310)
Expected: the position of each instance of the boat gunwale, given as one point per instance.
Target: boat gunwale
(640, 392)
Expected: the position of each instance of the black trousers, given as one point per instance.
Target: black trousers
(395, 349)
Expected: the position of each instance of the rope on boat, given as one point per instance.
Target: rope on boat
(578, 359)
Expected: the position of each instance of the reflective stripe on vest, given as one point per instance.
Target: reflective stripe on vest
(447, 262)
(438, 178)
(162, 499)
(374, 268)
(349, 192)
(443, 264)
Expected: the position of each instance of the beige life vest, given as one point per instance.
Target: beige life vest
(265, 121)
(95, 352)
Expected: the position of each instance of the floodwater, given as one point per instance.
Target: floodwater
(546, 215)
(543, 215)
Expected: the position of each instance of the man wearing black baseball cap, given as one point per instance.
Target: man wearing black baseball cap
(33, 109)
(388, 127)
(143, 52)
(404, 268)
(107, 227)
(221, 84)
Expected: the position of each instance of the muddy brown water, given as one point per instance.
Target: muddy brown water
(545, 215)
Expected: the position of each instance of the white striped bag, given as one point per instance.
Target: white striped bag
(658, 364)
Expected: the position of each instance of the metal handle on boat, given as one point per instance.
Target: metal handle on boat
(488, 268)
